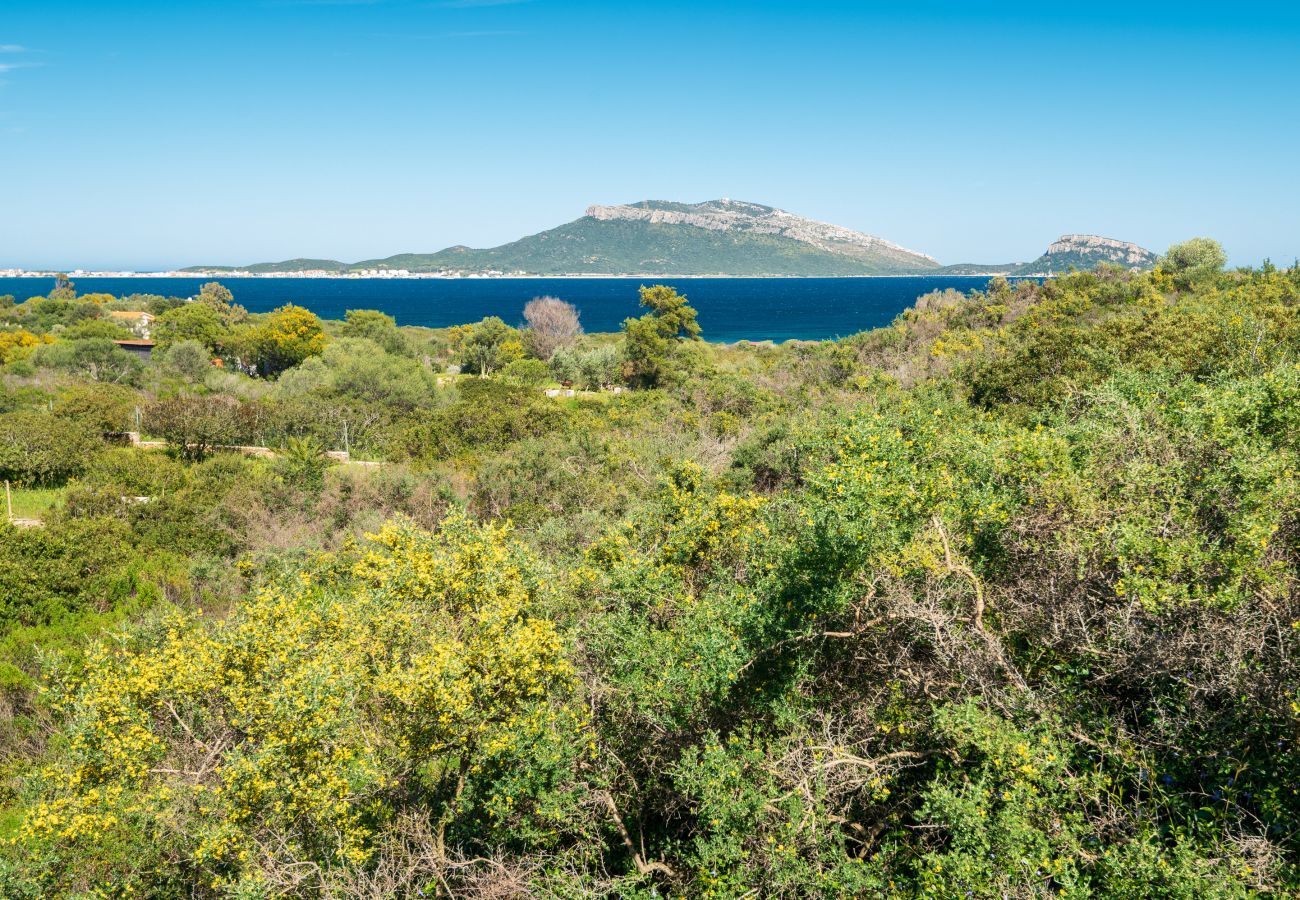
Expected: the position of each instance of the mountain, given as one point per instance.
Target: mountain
(720, 237)
(1070, 251)
(1087, 251)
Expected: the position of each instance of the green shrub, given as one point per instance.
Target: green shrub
(39, 448)
(487, 415)
(195, 425)
(527, 372)
(107, 408)
(189, 359)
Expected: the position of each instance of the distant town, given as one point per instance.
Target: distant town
(405, 273)
(236, 273)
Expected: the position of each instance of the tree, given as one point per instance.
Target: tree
(490, 344)
(312, 376)
(189, 359)
(216, 295)
(552, 325)
(191, 322)
(487, 415)
(97, 328)
(282, 339)
(652, 339)
(98, 359)
(1194, 258)
(375, 326)
(155, 304)
(359, 368)
(64, 289)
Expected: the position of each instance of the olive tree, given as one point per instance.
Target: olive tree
(189, 359)
(1195, 257)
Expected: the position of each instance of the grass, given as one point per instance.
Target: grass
(33, 502)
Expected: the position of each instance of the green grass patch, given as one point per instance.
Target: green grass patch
(34, 503)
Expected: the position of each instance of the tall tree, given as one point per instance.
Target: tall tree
(217, 295)
(64, 289)
(490, 344)
(191, 322)
(652, 340)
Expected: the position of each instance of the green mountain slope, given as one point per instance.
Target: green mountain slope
(717, 237)
(592, 246)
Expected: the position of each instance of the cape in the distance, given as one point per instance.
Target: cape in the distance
(719, 237)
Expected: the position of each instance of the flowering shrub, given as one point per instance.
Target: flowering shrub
(264, 750)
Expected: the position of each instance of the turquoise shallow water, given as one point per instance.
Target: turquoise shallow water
(730, 308)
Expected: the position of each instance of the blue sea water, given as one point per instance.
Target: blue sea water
(730, 309)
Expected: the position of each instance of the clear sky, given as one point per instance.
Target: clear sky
(159, 134)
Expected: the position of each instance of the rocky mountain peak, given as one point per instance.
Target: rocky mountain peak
(738, 215)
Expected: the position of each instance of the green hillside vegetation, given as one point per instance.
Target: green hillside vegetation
(998, 601)
(983, 269)
(288, 265)
(327, 265)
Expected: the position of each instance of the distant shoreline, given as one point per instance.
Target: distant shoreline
(729, 308)
(416, 276)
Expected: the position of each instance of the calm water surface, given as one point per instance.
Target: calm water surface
(730, 308)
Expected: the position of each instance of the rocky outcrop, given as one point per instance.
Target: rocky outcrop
(1109, 249)
(754, 218)
(1069, 252)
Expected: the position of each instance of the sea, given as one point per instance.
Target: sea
(730, 309)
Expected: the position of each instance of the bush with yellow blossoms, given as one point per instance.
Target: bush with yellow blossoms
(269, 751)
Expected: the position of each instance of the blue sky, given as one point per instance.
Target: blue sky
(158, 134)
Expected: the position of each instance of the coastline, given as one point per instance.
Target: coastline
(432, 276)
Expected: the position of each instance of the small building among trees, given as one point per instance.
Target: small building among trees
(140, 349)
(138, 320)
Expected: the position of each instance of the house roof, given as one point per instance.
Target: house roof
(134, 343)
(129, 314)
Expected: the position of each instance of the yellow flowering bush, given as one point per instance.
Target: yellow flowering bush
(14, 343)
(271, 747)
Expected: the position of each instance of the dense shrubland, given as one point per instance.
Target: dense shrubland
(1000, 600)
